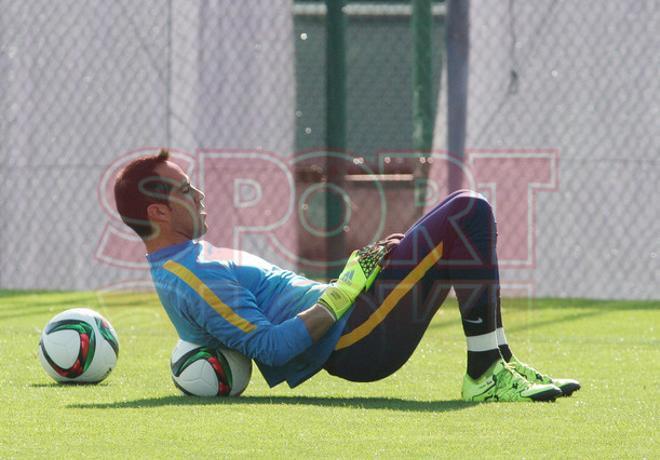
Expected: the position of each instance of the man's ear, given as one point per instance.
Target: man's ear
(158, 212)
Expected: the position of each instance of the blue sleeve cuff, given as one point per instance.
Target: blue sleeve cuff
(301, 332)
(284, 342)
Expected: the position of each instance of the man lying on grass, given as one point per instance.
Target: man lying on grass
(363, 326)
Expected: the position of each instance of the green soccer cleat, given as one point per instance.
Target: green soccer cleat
(567, 386)
(502, 383)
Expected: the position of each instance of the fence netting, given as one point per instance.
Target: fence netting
(562, 116)
(562, 133)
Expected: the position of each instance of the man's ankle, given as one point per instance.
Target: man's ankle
(478, 362)
(505, 351)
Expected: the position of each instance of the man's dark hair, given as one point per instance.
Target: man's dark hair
(136, 187)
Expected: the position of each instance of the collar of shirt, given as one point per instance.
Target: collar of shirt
(169, 252)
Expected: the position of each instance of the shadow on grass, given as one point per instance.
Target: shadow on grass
(67, 384)
(445, 324)
(58, 307)
(547, 303)
(9, 293)
(43, 299)
(395, 404)
(589, 308)
(20, 311)
(555, 321)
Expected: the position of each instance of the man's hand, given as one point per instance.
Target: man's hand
(391, 241)
(358, 275)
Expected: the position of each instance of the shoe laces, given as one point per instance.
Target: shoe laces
(509, 382)
(530, 373)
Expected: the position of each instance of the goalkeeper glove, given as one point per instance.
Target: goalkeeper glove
(358, 275)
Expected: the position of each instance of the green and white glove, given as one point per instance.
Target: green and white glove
(358, 275)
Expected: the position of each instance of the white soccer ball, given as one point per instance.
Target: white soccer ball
(78, 345)
(198, 370)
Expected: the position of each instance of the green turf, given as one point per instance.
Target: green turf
(611, 347)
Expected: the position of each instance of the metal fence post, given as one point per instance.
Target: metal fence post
(335, 126)
(458, 49)
(422, 73)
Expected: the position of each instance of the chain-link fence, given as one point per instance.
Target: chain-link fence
(86, 85)
(563, 110)
(562, 133)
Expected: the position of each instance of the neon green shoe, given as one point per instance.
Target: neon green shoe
(567, 386)
(502, 383)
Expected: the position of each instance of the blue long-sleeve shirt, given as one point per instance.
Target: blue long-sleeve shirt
(221, 296)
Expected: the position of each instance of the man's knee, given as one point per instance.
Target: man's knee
(469, 202)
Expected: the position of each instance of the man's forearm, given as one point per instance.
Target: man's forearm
(357, 276)
(317, 321)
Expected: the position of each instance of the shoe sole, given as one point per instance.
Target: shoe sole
(545, 396)
(569, 390)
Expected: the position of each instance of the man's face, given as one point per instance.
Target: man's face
(185, 216)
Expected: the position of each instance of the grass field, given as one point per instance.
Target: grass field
(611, 347)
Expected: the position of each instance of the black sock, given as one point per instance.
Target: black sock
(505, 351)
(478, 362)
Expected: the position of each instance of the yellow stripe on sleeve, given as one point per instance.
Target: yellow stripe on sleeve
(391, 300)
(208, 295)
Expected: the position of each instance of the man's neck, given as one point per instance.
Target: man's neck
(161, 242)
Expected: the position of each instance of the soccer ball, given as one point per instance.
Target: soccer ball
(78, 345)
(198, 370)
